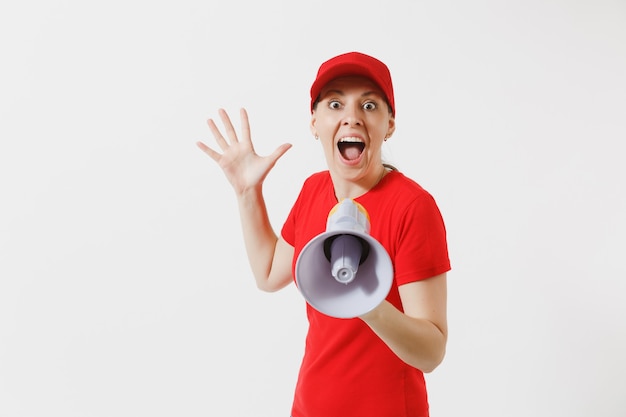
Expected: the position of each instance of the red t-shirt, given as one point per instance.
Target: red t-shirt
(347, 370)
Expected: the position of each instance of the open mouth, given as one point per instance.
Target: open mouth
(351, 148)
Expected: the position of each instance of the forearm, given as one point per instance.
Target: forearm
(259, 237)
(418, 342)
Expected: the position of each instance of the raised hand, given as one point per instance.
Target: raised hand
(243, 167)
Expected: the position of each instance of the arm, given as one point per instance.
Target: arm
(419, 335)
(270, 257)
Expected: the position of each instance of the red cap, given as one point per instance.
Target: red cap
(354, 63)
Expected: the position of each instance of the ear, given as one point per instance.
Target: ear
(312, 124)
(392, 126)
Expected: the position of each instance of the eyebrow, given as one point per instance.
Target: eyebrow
(341, 93)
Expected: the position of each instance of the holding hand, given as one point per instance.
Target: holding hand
(243, 168)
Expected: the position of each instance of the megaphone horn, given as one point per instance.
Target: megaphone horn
(344, 272)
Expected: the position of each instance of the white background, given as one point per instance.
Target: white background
(124, 289)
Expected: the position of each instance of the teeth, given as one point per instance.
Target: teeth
(351, 139)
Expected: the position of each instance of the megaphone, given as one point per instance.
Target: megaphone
(344, 272)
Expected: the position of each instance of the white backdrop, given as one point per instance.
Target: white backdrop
(124, 289)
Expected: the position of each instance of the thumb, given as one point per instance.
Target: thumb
(280, 151)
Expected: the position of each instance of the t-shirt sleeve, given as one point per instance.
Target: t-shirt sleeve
(288, 230)
(422, 249)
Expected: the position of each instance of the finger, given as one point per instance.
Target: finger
(245, 126)
(214, 155)
(221, 142)
(228, 126)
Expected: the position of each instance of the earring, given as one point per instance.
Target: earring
(317, 137)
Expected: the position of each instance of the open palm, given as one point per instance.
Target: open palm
(243, 167)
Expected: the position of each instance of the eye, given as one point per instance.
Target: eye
(369, 106)
(334, 104)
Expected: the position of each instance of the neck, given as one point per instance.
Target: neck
(348, 188)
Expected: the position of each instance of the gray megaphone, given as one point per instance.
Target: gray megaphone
(344, 272)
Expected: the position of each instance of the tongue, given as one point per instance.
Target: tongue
(351, 152)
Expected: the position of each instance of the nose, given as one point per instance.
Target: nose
(352, 115)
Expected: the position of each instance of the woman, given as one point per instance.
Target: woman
(371, 365)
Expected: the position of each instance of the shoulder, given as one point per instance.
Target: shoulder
(398, 199)
(316, 183)
(322, 177)
(398, 186)
(315, 187)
